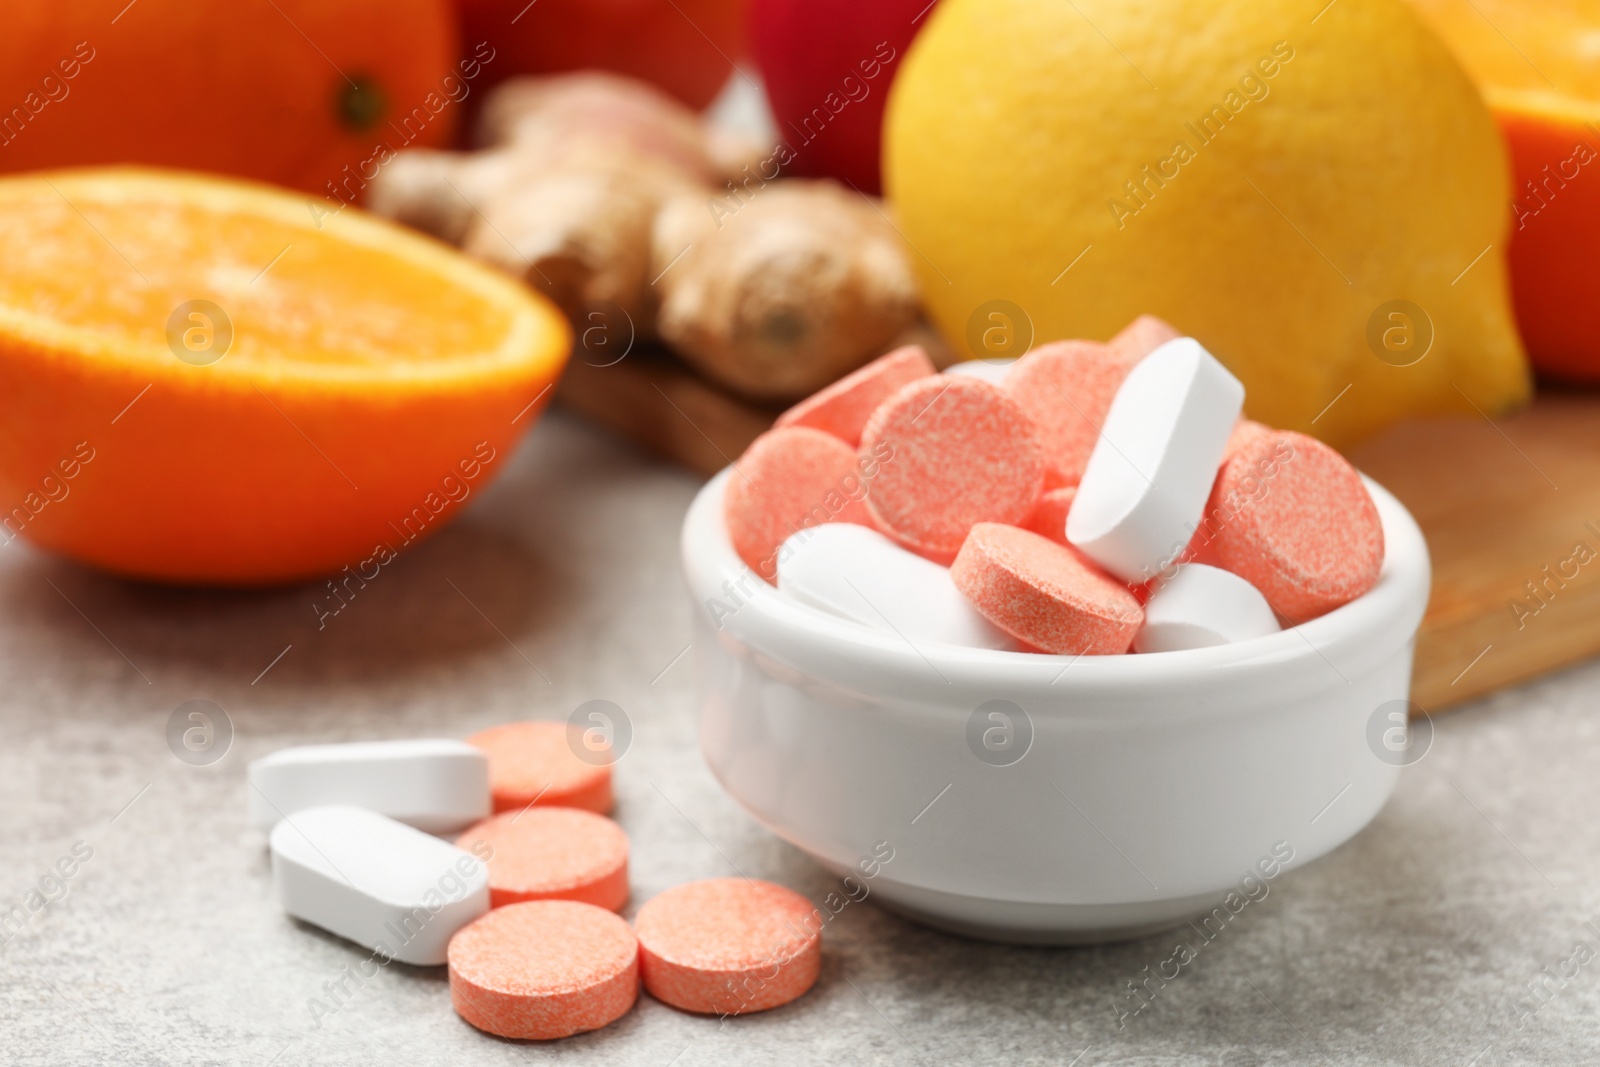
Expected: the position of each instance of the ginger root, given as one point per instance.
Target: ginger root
(596, 189)
(566, 196)
(801, 285)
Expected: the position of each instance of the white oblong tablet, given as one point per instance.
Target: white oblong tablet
(1145, 486)
(988, 370)
(861, 575)
(1202, 606)
(377, 882)
(434, 784)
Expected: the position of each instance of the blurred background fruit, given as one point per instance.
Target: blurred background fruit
(1282, 189)
(291, 91)
(1539, 68)
(687, 47)
(642, 220)
(828, 65)
(233, 391)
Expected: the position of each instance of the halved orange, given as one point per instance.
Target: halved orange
(1538, 65)
(209, 381)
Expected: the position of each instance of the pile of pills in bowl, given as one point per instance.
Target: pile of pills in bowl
(1086, 499)
(519, 897)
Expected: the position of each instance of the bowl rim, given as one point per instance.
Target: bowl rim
(817, 642)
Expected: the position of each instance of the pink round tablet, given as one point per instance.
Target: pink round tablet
(1294, 519)
(1049, 518)
(951, 451)
(552, 854)
(1201, 547)
(1066, 388)
(727, 946)
(1142, 336)
(1245, 432)
(537, 762)
(1045, 594)
(544, 969)
(787, 480)
(844, 407)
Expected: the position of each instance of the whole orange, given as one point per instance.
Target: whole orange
(285, 91)
(687, 47)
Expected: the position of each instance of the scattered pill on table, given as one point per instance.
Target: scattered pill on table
(380, 883)
(842, 409)
(1144, 489)
(726, 946)
(552, 854)
(791, 479)
(861, 575)
(1294, 519)
(1044, 593)
(1201, 606)
(535, 762)
(438, 785)
(953, 451)
(544, 969)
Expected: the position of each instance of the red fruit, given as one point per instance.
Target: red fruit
(828, 65)
(687, 47)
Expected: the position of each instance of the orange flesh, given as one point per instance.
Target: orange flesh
(114, 261)
(375, 378)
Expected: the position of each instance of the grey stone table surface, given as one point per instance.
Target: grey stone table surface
(1471, 894)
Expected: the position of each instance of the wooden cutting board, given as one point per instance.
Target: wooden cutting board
(1511, 510)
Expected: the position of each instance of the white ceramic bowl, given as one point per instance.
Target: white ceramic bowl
(1148, 786)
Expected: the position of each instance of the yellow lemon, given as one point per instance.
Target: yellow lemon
(1316, 192)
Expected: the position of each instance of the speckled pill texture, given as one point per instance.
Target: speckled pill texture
(953, 451)
(544, 969)
(790, 479)
(1045, 594)
(552, 854)
(843, 408)
(1293, 518)
(1066, 387)
(728, 946)
(534, 762)
(1049, 518)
